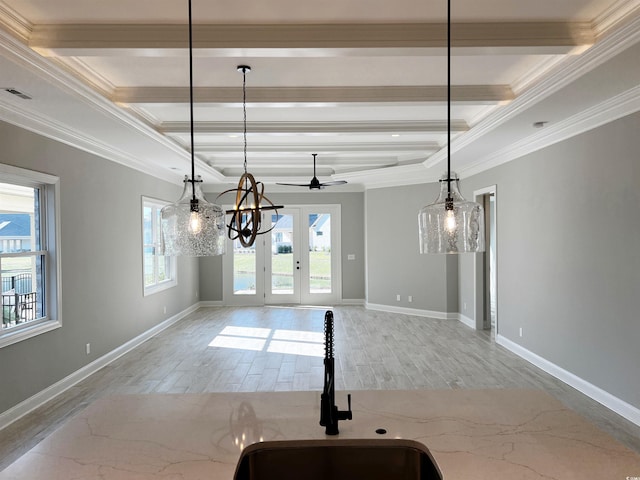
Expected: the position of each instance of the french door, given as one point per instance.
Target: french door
(283, 268)
(297, 262)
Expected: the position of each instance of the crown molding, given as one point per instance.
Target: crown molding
(566, 72)
(14, 23)
(475, 94)
(389, 177)
(612, 109)
(531, 78)
(70, 84)
(79, 69)
(51, 128)
(621, 11)
(14, 50)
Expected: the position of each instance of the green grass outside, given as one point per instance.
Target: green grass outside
(320, 263)
(319, 267)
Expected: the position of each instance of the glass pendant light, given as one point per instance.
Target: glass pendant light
(192, 226)
(451, 224)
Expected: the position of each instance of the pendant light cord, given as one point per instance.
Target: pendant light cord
(244, 112)
(193, 158)
(449, 201)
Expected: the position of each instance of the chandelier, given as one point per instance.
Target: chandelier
(246, 215)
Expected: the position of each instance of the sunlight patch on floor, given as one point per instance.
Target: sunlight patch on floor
(246, 332)
(240, 343)
(290, 342)
(296, 348)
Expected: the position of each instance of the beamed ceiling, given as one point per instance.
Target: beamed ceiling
(362, 83)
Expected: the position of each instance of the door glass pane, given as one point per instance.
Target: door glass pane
(282, 267)
(244, 269)
(319, 253)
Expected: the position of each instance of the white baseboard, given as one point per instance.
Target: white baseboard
(412, 311)
(211, 303)
(467, 321)
(344, 301)
(352, 301)
(18, 411)
(619, 406)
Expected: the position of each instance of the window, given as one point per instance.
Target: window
(159, 271)
(29, 260)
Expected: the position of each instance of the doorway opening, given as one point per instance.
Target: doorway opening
(486, 272)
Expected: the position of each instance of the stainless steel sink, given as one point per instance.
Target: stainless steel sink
(352, 459)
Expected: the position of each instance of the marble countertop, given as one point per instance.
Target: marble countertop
(472, 434)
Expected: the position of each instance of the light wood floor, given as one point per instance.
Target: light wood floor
(373, 350)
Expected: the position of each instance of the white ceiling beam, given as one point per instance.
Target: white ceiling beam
(344, 148)
(308, 40)
(226, 128)
(466, 94)
(304, 162)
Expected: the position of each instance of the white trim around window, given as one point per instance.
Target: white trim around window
(159, 272)
(43, 311)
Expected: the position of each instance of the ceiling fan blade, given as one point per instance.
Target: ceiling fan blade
(335, 182)
(293, 184)
(315, 184)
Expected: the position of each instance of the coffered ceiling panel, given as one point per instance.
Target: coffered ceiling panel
(360, 82)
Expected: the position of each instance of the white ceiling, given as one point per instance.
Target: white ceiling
(360, 82)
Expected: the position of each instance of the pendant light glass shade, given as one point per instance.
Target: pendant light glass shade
(454, 228)
(192, 226)
(451, 224)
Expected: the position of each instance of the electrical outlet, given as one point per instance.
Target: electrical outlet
(351, 256)
(520, 331)
(410, 298)
(88, 348)
(464, 306)
(398, 297)
(164, 309)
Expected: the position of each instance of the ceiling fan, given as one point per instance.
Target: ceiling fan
(315, 184)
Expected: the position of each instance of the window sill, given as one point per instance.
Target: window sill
(159, 287)
(19, 334)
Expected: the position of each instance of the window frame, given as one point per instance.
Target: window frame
(50, 243)
(172, 281)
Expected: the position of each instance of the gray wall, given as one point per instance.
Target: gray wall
(394, 263)
(352, 228)
(101, 252)
(568, 226)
